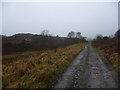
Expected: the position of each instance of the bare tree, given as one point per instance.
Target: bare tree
(71, 35)
(44, 33)
(99, 37)
(78, 35)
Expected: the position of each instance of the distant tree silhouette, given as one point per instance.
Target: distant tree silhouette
(71, 35)
(99, 37)
(105, 37)
(117, 34)
(44, 33)
(78, 35)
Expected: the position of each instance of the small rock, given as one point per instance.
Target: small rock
(75, 77)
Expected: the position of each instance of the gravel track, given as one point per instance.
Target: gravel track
(87, 70)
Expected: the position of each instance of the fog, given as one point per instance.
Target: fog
(90, 18)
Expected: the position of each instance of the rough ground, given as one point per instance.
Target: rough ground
(88, 70)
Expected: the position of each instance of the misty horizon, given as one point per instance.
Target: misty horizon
(90, 19)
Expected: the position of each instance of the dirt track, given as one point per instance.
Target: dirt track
(88, 70)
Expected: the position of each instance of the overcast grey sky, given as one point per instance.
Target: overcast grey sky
(89, 18)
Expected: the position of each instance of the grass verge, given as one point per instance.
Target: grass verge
(37, 69)
(113, 59)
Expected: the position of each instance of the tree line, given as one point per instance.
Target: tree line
(32, 42)
(101, 37)
(113, 42)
